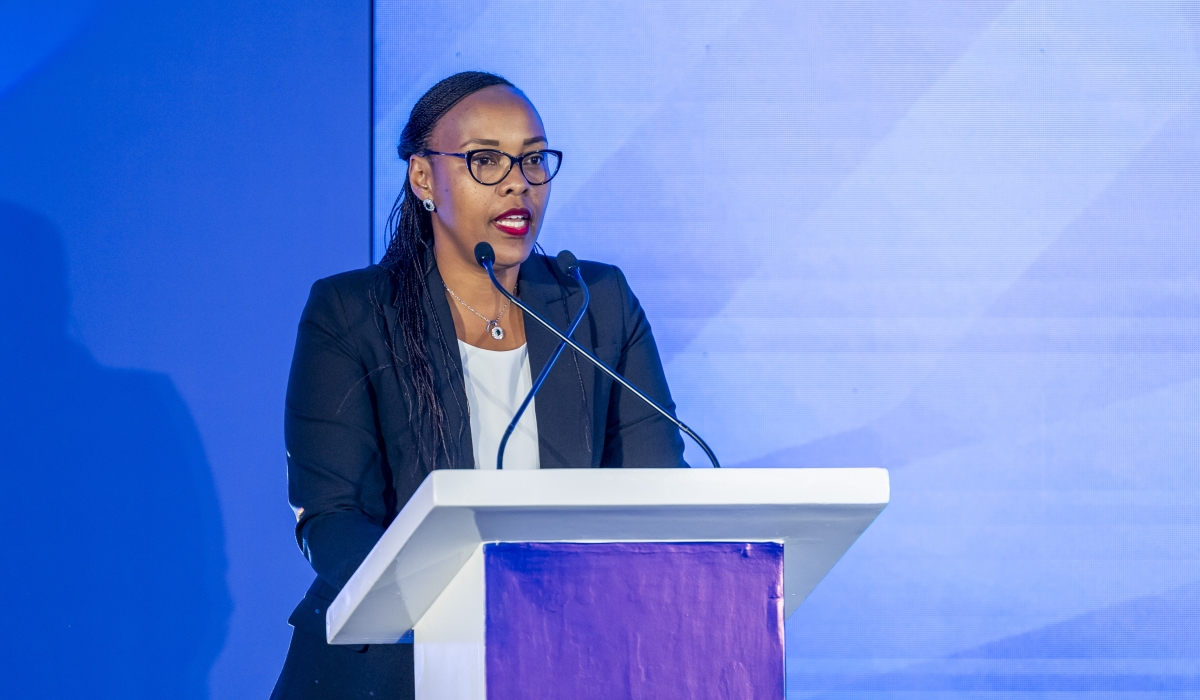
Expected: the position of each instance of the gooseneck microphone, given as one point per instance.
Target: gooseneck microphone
(486, 257)
(570, 267)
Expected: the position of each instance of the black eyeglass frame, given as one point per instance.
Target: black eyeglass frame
(512, 160)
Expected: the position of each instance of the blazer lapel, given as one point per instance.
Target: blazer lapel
(562, 406)
(441, 343)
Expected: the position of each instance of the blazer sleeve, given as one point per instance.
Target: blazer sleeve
(636, 436)
(335, 482)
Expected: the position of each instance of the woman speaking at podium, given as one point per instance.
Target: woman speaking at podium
(419, 363)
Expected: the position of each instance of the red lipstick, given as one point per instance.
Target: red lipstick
(514, 222)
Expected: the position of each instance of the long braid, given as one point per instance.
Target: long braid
(411, 229)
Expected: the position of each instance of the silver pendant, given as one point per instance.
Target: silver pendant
(496, 331)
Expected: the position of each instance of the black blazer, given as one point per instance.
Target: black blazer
(350, 424)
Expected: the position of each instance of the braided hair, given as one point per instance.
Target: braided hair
(411, 229)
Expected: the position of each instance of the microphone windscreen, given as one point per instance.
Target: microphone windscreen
(484, 255)
(567, 262)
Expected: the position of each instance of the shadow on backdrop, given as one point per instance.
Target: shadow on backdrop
(114, 582)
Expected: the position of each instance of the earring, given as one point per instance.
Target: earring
(428, 204)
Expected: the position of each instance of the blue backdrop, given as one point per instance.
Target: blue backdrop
(173, 177)
(956, 240)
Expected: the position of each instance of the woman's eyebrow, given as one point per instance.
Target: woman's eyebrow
(494, 142)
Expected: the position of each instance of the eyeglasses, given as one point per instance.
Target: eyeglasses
(490, 167)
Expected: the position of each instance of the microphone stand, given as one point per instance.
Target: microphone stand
(485, 256)
(587, 299)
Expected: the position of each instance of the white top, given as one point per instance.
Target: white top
(497, 382)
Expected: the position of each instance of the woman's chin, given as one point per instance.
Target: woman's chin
(511, 250)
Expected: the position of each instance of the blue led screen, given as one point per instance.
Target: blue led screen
(956, 240)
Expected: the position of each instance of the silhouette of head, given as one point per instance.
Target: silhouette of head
(34, 297)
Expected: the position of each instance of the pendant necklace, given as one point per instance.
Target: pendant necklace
(493, 324)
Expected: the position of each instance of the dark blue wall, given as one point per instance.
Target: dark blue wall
(173, 177)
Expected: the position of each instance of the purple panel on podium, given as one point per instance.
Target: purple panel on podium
(634, 620)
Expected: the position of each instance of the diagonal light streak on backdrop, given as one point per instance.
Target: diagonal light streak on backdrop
(973, 164)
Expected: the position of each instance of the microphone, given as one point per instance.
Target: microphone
(486, 257)
(570, 267)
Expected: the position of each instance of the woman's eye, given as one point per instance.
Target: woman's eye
(484, 160)
(536, 159)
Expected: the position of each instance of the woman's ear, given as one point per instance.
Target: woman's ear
(420, 178)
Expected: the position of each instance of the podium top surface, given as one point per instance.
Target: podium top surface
(816, 513)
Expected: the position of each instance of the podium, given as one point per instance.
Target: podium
(604, 583)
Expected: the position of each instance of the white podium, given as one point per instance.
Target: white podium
(683, 585)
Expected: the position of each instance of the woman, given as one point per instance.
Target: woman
(418, 363)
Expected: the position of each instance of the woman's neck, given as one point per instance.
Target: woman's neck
(470, 281)
(482, 316)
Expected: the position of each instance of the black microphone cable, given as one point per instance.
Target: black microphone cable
(486, 257)
(570, 267)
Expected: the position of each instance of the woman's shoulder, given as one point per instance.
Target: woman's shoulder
(353, 295)
(599, 273)
(607, 281)
(600, 277)
(356, 284)
(352, 281)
